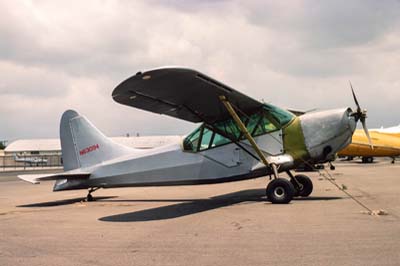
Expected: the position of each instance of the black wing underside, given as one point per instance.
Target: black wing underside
(182, 93)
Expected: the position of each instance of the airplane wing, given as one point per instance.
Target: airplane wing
(181, 93)
(35, 179)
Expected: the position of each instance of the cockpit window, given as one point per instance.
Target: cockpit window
(219, 140)
(282, 116)
(191, 142)
(205, 139)
(268, 119)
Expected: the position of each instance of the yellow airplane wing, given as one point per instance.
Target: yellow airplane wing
(385, 145)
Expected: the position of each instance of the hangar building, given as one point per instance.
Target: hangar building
(53, 146)
(19, 152)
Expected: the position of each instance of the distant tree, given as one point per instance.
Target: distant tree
(2, 146)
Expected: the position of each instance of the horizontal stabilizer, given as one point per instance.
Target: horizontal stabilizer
(35, 179)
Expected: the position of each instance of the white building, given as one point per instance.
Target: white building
(50, 147)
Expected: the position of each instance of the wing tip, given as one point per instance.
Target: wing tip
(29, 178)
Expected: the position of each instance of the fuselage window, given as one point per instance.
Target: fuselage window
(219, 140)
(268, 119)
(282, 116)
(205, 139)
(191, 142)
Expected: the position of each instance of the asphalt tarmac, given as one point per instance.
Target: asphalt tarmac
(222, 224)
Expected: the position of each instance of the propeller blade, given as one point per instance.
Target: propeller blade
(355, 98)
(367, 133)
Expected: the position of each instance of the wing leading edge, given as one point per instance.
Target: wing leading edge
(181, 93)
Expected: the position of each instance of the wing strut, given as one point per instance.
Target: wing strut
(248, 136)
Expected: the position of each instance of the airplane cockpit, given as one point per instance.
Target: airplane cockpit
(267, 119)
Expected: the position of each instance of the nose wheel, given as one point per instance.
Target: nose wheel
(280, 191)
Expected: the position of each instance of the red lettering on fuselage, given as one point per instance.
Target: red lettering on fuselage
(89, 149)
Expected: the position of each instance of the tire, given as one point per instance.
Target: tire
(89, 198)
(280, 191)
(367, 159)
(307, 186)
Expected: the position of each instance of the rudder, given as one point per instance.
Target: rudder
(83, 145)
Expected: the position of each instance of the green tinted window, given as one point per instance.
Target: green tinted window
(269, 118)
(280, 115)
(219, 140)
(229, 127)
(191, 142)
(252, 123)
(264, 126)
(205, 139)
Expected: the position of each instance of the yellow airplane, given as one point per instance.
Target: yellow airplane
(386, 143)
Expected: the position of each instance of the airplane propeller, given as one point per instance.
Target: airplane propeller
(361, 115)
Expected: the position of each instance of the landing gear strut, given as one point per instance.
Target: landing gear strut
(302, 184)
(279, 190)
(393, 159)
(89, 196)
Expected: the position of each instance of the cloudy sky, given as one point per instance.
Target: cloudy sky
(58, 55)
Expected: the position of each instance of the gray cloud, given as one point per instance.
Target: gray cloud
(59, 55)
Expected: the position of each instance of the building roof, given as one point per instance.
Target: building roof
(22, 145)
(145, 142)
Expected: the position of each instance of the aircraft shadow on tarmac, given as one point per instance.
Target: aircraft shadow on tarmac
(61, 202)
(188, 207)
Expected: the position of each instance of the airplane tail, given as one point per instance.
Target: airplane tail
(83, 145)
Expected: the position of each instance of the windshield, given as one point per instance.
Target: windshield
(269, 118)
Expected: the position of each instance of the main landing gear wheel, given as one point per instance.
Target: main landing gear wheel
(280, 191)
(89, 196)
(305, 187)
(367, 159)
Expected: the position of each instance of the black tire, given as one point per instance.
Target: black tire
(367, 159)
(280, 191)
(89, 197)
(306, 186)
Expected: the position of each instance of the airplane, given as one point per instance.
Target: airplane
(238, 138)
(386, 143)
(30, 160)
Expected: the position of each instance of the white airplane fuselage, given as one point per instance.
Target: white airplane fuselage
(324, 133)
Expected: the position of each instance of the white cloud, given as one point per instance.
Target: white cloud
(56, 55)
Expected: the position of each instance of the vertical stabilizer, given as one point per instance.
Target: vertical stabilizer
(83, 145)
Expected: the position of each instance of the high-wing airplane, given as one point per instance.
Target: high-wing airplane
(30, 160)
(386, 143)
(239, 138)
